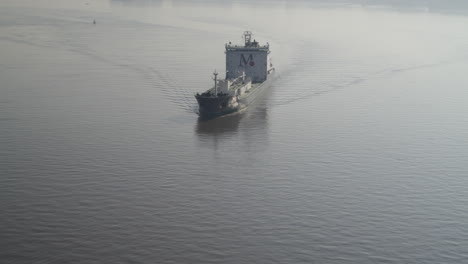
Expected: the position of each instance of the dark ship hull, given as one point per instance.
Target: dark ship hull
(216, 106)
(211, 106)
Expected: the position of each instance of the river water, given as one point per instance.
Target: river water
(358, 153)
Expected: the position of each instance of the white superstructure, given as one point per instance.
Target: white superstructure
(251, 59)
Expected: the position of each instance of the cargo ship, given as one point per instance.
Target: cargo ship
(249, 72)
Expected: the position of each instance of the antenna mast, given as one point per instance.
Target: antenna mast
(247, 37)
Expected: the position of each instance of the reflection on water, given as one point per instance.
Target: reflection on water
(249, 126)
(220, 125)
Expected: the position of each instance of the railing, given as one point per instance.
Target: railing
(232, 47)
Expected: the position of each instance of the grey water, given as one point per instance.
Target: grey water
(358, 153)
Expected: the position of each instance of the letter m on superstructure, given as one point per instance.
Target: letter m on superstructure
(243, 61)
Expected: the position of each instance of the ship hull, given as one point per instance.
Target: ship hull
(211, 107)
(256, 92)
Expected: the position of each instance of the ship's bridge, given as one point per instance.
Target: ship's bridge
(250, 58)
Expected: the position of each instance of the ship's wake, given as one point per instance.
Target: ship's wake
(317, 71)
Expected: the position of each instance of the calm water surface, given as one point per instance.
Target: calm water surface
(357, 154)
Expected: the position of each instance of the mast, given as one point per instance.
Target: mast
(215, 78)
